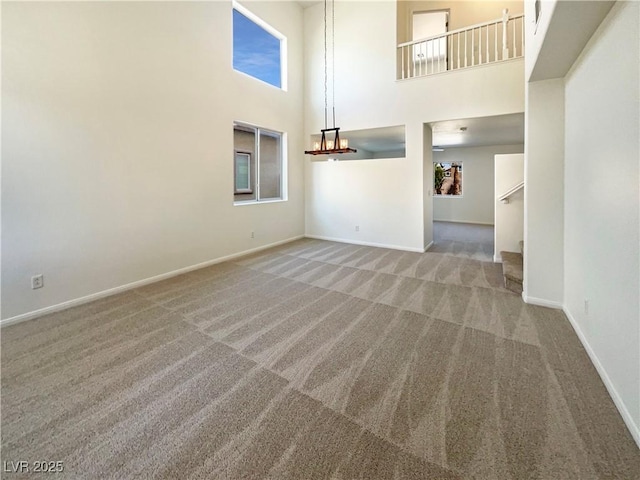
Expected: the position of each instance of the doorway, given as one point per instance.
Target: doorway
(466, 240)
(430, 56)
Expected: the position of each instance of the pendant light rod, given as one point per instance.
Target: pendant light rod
(325, 66)
(333, 59)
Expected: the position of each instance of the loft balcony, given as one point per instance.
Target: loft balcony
(484, 43)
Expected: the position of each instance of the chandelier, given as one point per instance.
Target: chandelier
(328, 146)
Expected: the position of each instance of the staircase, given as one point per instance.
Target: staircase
(512, 269)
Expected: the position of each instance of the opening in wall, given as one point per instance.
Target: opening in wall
(259, 164)
(430, 56)
(371, 143)
(447, 179)
(259, 50)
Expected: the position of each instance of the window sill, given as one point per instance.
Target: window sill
(254, 202)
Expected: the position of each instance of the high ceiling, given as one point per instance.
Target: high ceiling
(484, 131)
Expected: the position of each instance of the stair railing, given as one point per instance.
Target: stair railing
(480, 44)
(504, 198)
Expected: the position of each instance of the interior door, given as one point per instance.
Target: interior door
(430, 56)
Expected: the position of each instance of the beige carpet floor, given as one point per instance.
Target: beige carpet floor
(467, 240)
(312, 360)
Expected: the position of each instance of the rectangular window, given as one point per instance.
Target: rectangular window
(259, 164)
(447, 179)
(243, 172)
(258, 49)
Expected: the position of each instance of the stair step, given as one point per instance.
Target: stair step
(512, 270)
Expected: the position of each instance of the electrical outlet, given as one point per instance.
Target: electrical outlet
(253, 234)
(37, 281)
(357, 228)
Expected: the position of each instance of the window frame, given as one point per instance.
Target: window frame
(237, 190)
(272, 31)
(447, 174)
(283, 162)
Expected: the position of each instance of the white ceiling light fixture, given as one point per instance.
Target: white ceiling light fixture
(337, 145)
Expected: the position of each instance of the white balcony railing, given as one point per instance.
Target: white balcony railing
(489, 42)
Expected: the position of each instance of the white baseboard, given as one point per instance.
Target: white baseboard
(497, 259)
(428, 246)
(542, 302)
(139, 283)
(626, 416)
(369, 244)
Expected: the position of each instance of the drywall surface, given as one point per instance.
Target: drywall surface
(427, 185)
(535, 32)
(117, 152)
(367, 95)
(563, 29)
(508, 228)
(602, 197)
(544, 193)
(476, 205)
(348, 206)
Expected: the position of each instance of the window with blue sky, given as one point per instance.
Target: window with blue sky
(257, 48)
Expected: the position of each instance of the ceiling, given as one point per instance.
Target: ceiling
(569, 30)
(483, 131)
(377, 140)
(308, 3)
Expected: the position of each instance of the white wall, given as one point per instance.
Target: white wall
(536, 33)
(602, 197)
(368, 96)
(563, 30)
(117, 152)
(508, 228)
(427, 185)
(544, 168)
(477, 202)
(347, 194)
(544, 193)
